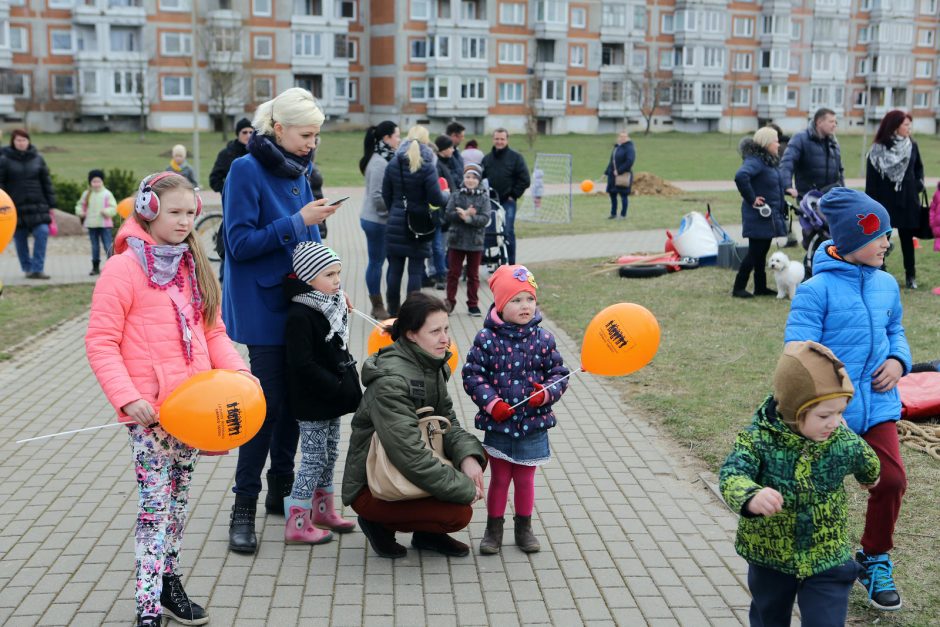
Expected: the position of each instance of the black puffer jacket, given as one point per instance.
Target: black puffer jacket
(25, 177)
(223, 163)
(422, 191)
(507, 173)
(815, 161)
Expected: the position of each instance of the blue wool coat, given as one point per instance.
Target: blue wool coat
(421, 189)
(504, 362)
(262, 226)
(624, 156)
(856, 312)
(760, 176)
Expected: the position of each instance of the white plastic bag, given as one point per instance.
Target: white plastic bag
(695, 237)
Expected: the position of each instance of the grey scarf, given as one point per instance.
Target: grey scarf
(333, 307)
(892, 162)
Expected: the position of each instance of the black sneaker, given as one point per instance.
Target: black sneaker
(439, 543)
(878, 580)
(176, 603)
(149, 621)
(427, 281)
(475, 312)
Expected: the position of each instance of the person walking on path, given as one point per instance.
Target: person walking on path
(269, 209)
(894, 176)
(410, 186)
(508, 174)
(236, 148)
(853, 308)
(96, 207)
(456, 131)
(763, 208)
(179, 164)
(512, 359)
(813, 157)
(24, 175)
(379, 146)
(796, 439)
(322, 386)
(155, 323)
(411, 374)
(446, 170)
(621, 162)
(467, 214)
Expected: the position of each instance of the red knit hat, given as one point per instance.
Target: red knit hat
(508, 281)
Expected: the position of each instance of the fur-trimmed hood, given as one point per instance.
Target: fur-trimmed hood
(750, 148)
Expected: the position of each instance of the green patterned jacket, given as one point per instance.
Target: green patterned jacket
(810, 534)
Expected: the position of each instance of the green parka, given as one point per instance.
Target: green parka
(399, 380)
(810, 534)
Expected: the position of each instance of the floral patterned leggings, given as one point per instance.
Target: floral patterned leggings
(164, 468)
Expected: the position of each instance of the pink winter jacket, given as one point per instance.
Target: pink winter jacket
(133, 341)
(935, 214)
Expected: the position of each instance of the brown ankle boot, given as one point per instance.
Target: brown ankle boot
(525, 539)
(378, 307)
(493, 538)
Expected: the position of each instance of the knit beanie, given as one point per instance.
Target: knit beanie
(443, 142)
(312, 258)
(241, 124)
(855, 219)
(96, 174)
(508, 281)
(808, 373)
(473, 168)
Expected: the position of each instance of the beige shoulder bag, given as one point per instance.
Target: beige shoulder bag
(621, 179)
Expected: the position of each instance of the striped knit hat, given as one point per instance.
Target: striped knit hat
(312, 258)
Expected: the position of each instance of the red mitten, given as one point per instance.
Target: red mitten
(442, 183)
(541, 395)
(501, 411)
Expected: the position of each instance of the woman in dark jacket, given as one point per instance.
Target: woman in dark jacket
(763, 209)
(400, 379)
(894, 177)
(25, 177)
(621, 160)
(411, 173)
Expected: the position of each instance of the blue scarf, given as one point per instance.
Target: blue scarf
(277, 160)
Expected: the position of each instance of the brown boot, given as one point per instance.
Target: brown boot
(378, 307)
(493, 538)
(525, 539)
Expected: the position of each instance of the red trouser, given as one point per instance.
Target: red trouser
(454, 265)
(884, 501)
(430, 514)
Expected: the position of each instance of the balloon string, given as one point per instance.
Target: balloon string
(52, 435)
(376, 323)
(547, 387)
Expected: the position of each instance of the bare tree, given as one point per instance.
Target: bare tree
(642, 86)
(531, 111)
(227, 72)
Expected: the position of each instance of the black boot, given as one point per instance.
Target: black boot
(525, 539)
(241, 529)
(149, 621)
(95, 271)
(493, 537)
(176, 603)
(439, 543)
(279, 486)
(382, 539)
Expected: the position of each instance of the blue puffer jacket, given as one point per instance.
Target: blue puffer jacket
(856, 312)
(421, 189)
(815, 161)
(760, 176)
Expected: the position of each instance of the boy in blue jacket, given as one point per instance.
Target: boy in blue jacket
(854, 308)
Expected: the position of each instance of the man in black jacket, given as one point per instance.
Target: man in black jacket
(508, 174)
(813, 157)
(233, 150)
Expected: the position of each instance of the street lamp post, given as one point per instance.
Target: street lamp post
(195, 81)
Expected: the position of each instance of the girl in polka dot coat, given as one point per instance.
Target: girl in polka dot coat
(513, 358)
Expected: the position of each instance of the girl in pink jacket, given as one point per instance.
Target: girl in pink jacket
(935, 217)
(154, 323)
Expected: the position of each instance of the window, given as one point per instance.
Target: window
(819, 96)
(553, 11)
(174, 5)
(686, 21)
(638, 59)
(339, 46)
(772, 94)
(666, 59)
(838, 95)
(339, 87)
(792, 98)
(352, 50)
(308, 7)
(577, 56)
(684, 56)
(777, 59)
(578, 17)
(741, 96)
(419, 50)
(928, 7)
(899, 97)
(439, 88)
(668, 24)
(419, 91)
(307, 45)
(775, 25)
(796, 30)
(612, 54)
(473, 89)
(263, 47)
(126, 83)
(552, 89)
(921, 100)
(352, 90)
(511, 93)
(177, 87)
(178, 44)
(420, 10)
(639, 18)
(743, 27)
(89, 83)
(61, 4)
(514, 54)
(711, 93)
(923, 69)
(263, 89)
(683, 93)
(714, 57)
(17, 85)
(469, 10)
(611, 91)
(712, 22)
(443, 9)
(576, 94)
(864, 35)
(742, 62)
(861, 100)
(512, 13)
(794, 64)
(62, 41)
(19, 39)
(821, 62)
(664, 97)
(439, 47)
(124, 40)
(345, 9)
(862, 66)
(311, 82)
(63, 86)
(260, 7)
(925, 37)
(473, 48)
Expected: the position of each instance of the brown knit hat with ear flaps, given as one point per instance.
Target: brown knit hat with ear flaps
(808, 373)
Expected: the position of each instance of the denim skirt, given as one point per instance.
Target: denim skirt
(532, 450)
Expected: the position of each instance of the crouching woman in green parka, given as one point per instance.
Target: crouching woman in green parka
(399, 379)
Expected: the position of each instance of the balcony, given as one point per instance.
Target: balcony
(6, 58)
(550, 30)
(549, 108)
(223, 18)
(463, 108)
(771, 110)
(773, 75)
(547, 69)
(226, 61)
(693, 111)
(7, 104)
(615, 33)
(129, 13)
(617, 109)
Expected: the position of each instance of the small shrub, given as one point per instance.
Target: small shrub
(67, 193)
(122, 183)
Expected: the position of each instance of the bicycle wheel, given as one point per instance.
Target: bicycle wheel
(207, 229)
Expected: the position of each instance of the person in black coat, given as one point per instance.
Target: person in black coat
(895, 177)
(412, 174)
(813, 157)
(621, 160)
(24, 175)
(236, 148)
(322, 385)
(507, 173)
(763, 210)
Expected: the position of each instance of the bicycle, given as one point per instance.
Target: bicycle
(208, 229)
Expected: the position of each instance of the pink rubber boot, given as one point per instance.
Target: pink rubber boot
(325, 516)
(300, 530)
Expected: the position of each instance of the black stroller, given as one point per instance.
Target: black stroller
(495, 251)
(814, 226)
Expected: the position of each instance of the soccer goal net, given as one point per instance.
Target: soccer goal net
(548, 198)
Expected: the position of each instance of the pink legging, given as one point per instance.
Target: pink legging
(523, 480)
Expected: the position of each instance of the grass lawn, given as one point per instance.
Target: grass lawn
(714, 367)
(25, 311)
(673, 156)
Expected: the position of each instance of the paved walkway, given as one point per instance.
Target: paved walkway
(629, 536)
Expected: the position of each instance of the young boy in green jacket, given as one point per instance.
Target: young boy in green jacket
(785, 476)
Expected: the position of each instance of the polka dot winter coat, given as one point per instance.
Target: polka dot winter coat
(504, 363)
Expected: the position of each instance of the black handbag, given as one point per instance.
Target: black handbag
(421, 224)
(923, 227)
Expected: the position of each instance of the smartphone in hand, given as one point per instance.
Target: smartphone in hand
(338, 201)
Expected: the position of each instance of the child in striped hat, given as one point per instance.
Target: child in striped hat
(322, 385)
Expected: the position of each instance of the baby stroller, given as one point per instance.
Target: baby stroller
(495, 252)
(814, 226)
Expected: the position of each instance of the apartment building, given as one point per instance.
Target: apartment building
(558, 65)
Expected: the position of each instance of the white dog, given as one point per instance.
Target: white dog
(788, 274)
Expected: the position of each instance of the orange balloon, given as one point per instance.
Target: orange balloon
(125, 207)
(215, 410)
(454, 357)
(619, 340)
(7, 219)
(379, 338)
(587, 185)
